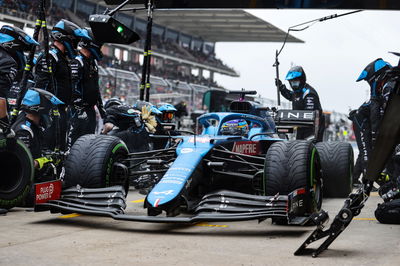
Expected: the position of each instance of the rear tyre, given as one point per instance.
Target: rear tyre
(90, 163)
(337, 161)
(290, 165)
(17, 171)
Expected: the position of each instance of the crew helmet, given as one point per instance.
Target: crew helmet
(167, 112)
(91, 44)
(112, 102)
(36, 101)
(69, 34)
(296, 77)
(373, 70)
(153, 109)
(16, 41)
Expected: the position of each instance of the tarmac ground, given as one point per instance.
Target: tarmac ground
(29, 238)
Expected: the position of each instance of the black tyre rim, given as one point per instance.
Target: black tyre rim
(11, 168)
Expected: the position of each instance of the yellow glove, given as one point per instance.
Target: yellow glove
(149, 120)
(42, 161)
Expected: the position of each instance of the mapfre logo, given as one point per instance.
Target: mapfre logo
(247, 147)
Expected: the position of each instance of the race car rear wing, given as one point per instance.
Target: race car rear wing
(287, 120)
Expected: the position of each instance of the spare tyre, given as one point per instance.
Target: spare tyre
(337, 161)
(17, 171)
(290, 165)
(91, 162)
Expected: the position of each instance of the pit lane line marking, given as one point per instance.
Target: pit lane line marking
(364, 219)
(72, 215)
(211, 225)
(138, 201)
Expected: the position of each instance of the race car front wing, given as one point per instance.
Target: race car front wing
(221, 206)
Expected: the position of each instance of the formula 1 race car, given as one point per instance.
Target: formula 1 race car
(236, 169)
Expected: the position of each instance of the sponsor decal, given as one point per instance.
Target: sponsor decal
(283, 130)
(247, 147)
(167, 192)
(12, 101)
(156, 202)
(47, 191)
(297, 204)
(306, 115)
(199, 139)
(299, 191)
(186, 150)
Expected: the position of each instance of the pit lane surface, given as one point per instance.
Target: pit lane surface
(29, 238)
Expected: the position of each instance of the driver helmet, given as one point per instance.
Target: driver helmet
(91, 44)
(15, 41)
(36, 100)
(167, 112)
(69, 34)
(237, 127)
(296, 77)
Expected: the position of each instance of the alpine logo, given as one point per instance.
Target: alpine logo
(247, 147)
(167, 192)
(296, 115)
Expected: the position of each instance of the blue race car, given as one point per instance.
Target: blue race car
(236, 169)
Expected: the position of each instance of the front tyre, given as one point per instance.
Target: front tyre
(90, 163)
(290, 165)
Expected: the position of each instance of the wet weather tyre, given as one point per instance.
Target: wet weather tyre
(17, 171)
(91, 159)
(337, 161)
(290, 165)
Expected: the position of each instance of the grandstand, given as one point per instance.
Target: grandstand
(183, 44)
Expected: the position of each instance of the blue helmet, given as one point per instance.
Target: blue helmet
(15, 41)
(36, 101)
(235, 127)
(153, 109)
(69, 34)
(373, 70)
(167, 112)
(296, 77)
(19, 39)
(91, 44)
(166, 107)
